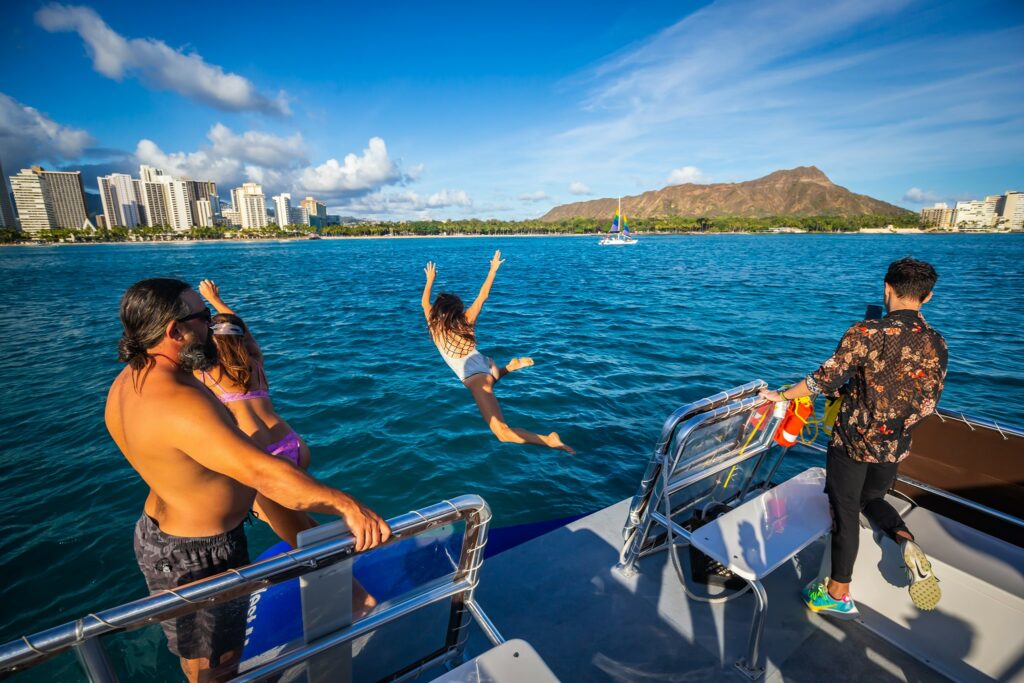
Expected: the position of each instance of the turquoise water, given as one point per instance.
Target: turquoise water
(620, 337)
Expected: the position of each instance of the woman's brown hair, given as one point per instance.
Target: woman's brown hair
(233, 352)
(448, 317)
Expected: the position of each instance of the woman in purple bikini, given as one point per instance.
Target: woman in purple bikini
(239, 382)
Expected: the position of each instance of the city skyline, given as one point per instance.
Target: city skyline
(452, 115)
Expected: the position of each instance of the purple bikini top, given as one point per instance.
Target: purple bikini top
(232, 396)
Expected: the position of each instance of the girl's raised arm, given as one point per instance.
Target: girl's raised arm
(431, 271)
(474, 311)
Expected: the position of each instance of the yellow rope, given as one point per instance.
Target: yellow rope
(749, 439)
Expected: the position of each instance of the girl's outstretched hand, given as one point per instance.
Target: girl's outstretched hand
(210, 290)
(431, 271)
(496, 260)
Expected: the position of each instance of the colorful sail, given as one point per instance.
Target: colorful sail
(625, 225)
(615, 222)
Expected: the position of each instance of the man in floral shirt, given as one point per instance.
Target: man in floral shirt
(889, 373)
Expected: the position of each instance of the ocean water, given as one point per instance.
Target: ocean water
(620, 337)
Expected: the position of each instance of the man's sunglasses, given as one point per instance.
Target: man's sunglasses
(203, 313)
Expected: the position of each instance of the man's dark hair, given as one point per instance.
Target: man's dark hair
(911, 278)
(146, 308)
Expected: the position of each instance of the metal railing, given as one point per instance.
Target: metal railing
(942, 493)
(641, 499)
(681, 426)
(984, 422)
(84, 634)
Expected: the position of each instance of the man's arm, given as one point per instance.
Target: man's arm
(833, 373)
(195, 428)
(431, 271)
(485, 289)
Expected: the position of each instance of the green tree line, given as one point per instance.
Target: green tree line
(475, 226)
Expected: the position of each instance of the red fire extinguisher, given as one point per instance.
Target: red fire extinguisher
(797, 414)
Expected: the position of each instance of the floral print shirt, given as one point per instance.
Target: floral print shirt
(890, 373)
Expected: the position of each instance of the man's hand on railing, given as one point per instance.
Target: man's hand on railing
(368, 528)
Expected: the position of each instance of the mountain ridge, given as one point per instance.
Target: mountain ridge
(800, 191)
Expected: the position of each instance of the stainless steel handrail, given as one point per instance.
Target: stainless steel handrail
(472, 509)
(637, 535)
(972, 421)
(942, 493)
(668, 429)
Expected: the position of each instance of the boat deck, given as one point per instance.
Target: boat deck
(559, 593)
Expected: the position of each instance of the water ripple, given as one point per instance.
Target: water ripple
(620, 337)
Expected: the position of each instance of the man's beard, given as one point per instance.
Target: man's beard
(198, 355)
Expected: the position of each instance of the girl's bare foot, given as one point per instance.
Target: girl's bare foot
(554, 441)
(519, 364)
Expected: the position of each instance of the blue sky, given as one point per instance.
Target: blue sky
(407, 109)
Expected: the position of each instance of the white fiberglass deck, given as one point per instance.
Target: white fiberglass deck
(559, 593)
(757, 537)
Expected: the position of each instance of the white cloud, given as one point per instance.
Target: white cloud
(538, 196)
(686, 174)
(576, 187)
(158, 65)
(230, 157)
(355, 175)
(449, 198)
(406, 202)
(257, 147)
(280, 165)
(27, 136)
(916, 195)
(416, 172)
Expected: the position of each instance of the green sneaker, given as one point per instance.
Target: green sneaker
(924, 585)
(817, 599)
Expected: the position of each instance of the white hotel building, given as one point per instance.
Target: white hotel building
(251, 205)
(121, 204)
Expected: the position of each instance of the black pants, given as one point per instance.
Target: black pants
(853, 486)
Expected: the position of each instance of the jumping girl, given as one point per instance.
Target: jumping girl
(452, 329)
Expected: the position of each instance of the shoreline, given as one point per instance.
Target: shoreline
(264, 240)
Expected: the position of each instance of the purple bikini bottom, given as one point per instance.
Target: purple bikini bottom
(288, 448)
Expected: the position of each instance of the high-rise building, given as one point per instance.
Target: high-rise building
(35, 210)
(939, 216)
(975, 214)
(140, 199)
(154, 199)
(198, 190)
(179, 209)
(316, 211)
(148, 174)
(300, 216)
(250, 203)
(231, 217)
(283, 209)
(204, 213)
(49, 199)
(1012, 215)
(67, 194)
(7, 219)
(120, 203)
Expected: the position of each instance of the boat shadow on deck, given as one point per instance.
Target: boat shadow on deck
(559, 593)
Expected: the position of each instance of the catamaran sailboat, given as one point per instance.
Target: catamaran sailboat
(617, 237)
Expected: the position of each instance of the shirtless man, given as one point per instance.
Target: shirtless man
(203, 473)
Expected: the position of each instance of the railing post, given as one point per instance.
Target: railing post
(471, 559)
(95, 662)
